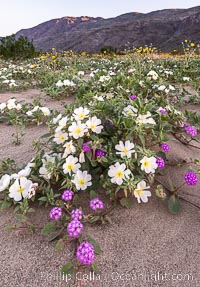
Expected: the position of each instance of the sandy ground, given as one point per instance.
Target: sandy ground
(143, 247)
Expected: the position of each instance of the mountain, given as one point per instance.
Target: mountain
(165, 29)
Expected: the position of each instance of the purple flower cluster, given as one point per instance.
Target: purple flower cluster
(74, 228)
(100, 153)
(190, 178)
(165, 147)
(55, 213)
(77, 214)
(85, 147)
(67, 195)
(133, 97)
(85, 253)
(108, 124)
(191, 130)
(163, 111)
(160, 162)
(96, 203)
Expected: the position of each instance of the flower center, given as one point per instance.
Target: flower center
(81, 181)
(138, 191)
(77, 131)
(146, 163)
(119, 174)
(61, 137)
(81, 116)
(92, 126)
(70, 166)
(20, 189)
(125, 150)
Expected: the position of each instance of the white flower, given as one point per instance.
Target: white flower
(22, 173)
(32, 190)
(77, 129)
(69, 148)
(141, 192)
(99, 98)
(80, 113)
(145, 119)
(82, 157)
(148, 164)
(69, 83)
(44, 171)
(62, 124)
(161, 88)
(130, 111)
(71, 164)
(20, 188)
(118, 173)
(186, 79)
(55, 120)
(82, 180)
(125, 149)
(60, 137)
(103, 79)
(4, 182)
(2, 106)
(81, 73)
(59, 83)
(171, 88)
(45, 111)
(94, 124)
(11, 104)
(152, 75)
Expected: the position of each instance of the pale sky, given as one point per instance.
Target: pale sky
(19, 14)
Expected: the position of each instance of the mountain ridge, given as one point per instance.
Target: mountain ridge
(164, 29)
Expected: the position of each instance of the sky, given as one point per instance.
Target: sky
(21, 14)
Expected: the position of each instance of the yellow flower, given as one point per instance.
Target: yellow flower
(192, 44)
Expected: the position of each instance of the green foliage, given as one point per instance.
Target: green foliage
(10, 47)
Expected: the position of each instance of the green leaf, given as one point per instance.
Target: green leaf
(21, 218)
(97, 248)
(94, 219)
(5, 204)
(49, 228)
(174, 204)
(93, 194)
(43, 198)
(67, 269)
(55, 234)
(126, 202)
(47, 135)
(59, 245)
(95, 268)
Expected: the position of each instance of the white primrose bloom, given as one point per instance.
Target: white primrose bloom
(141, 192)
(2, 106)
(20, 188)
(94, 124)
(62, 124)
(130, 111)
(32, 190)
(45, 111)
(77, 130)
(162, 88)
(60, 137)
(18, 107)
(80, 113)
(171, 88)
(125, 149)
(118, 173)
(69, 148)
(152, 75)
(103, 79)
(4, 182)
(71, 164)
(69, 83)
(149, 164)
(5, 81)
(22, 173)
(56, 119)
(12, 84)
(59, 84)
(99, 98)
(11, 104)
(82, 180)
(186, 79)
(145, 119)
(44, 171)
(81, 73)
